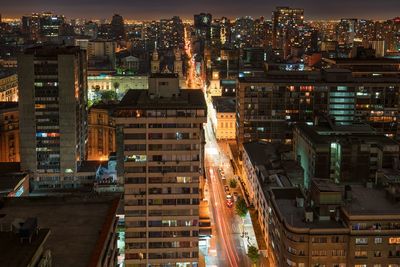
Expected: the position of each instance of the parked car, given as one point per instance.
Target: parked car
(226, 188)
(229, 201)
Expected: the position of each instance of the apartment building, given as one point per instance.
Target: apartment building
(53, 113)
(163, 144)
(267, 107)
(343, 153)
(347, 224)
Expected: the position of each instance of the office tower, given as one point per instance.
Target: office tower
(50, 24)
(30, 26)
(242, 32)
(117, 27)
(267, 107)
(171, 33)
(163, 146)
(346, 31)
(202, 26)
(9, 132)
(286, 22)
(53, 112)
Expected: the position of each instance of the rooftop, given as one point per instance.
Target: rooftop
(285, 200)
(359, 133)
(363, 203)
(52, 50)
(76, 223)
(141, 99)
(11, 246)
(224, 104)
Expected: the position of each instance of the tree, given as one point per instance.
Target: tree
(241, 208)
(232, 183)
(108, 95)
(252, 253)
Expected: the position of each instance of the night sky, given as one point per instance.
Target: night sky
(156, 9)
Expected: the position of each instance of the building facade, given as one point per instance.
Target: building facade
(101, 133)
(223, 117)
(268, 107)
(343, 153)
(9, 132)
(163, 140)
(53, 113)
(8, 87)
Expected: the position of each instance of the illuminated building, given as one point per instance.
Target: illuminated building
(286, 23)
(268, 106)
(101, 133)
(202, 26)
(354, 224)
(223, 118)
(30, 26)
(163, 145)
(8, 86)
(117, 83)
(50, 25)
(9, 132)
(342, 153)
(53, 114)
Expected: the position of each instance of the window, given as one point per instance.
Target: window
(378, 240)
(361, 254)
(361, 240)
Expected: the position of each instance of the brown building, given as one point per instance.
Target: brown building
(8, 86)
(163, 146)
(9, 132)
(101, 137)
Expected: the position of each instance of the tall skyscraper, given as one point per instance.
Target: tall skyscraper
(286, 23)
(202, 25)
(50, 24)
(53, 112)
(117, 27)
(163, 140)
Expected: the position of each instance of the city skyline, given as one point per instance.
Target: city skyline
(143, 10)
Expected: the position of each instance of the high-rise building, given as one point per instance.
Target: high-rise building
(50, 25)
(202, 26)
(118, 27)
(163, 145)
(53, 112)
(286, 23)
(30, 26)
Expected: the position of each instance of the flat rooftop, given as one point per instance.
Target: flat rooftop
(285, 200)
(362, 133)
(141, 99)
(371, 201)
(11, 246)
(75, 222)
(224, 104)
